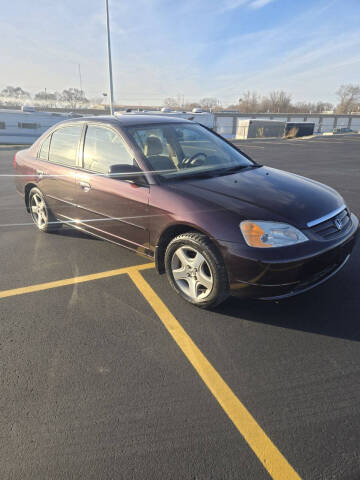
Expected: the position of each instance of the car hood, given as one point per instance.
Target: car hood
(284, 196)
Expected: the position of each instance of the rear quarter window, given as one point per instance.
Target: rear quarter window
(44, 149)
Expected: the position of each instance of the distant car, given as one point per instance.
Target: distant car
(217, 222)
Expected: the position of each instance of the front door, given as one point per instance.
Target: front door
(109, 207)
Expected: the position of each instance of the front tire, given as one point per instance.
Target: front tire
(40, 212)
(196, 271)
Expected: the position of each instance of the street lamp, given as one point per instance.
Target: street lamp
(105, 95)
(109, 59)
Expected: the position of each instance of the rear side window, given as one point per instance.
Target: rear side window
(103, 148)
(64, 145)
(44, 149)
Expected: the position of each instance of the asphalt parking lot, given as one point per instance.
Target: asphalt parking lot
(100, 378)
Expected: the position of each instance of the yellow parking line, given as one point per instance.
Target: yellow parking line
(73, 280)
(268, 454)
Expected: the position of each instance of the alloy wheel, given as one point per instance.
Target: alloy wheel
(38, 210)
(192, 273)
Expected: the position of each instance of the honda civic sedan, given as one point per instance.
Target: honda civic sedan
(214, 220)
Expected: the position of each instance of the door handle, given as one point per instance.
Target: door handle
(85, 186)
(40, 172)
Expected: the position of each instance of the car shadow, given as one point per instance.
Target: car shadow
(332, 309)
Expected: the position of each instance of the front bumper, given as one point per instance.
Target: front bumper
(282, 276)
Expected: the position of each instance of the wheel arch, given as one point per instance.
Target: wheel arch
(171, 232)
(27, 191)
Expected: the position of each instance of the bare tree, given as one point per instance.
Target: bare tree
(277, 102)
(302, 107)
(209, 102)
(171, 102)
(14, 95)
(74, 97)
(249, 102)
(321, 107)
(46, 98)
(349, 98)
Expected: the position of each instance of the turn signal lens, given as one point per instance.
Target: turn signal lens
(253, 234)
(261, 234)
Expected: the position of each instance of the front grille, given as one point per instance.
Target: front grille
(329, 228)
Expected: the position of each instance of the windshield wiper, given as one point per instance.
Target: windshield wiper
(209, 173)
(183, 175)
(236, 168)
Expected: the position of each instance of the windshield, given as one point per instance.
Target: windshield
(174, 150)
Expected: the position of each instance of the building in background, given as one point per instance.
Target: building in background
(259, 128)
(23, 127)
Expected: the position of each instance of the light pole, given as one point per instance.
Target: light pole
(109, 59)
(80, 79)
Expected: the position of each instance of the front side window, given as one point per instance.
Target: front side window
(104, 147)
(64, 145)
(174, 150)
(44, 149)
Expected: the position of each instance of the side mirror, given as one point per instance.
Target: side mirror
(127, 172)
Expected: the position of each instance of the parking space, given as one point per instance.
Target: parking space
(93, 387)
(100, 381)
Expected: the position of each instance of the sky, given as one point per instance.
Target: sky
(191, 48)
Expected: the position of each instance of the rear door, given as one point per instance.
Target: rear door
(109, 207)
(57, 174)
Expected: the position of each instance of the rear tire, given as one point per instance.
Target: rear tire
(40, 212)
(196, 270)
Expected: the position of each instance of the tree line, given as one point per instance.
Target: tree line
(72, 97)
(250, 102)
(276, 102)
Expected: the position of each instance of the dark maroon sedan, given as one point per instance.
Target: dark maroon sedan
(214, 220)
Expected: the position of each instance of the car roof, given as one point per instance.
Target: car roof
(127, 119)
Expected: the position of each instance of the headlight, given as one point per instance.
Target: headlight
(270, 234)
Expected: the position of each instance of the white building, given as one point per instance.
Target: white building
(23, 127)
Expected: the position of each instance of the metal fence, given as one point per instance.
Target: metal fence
(226, 123)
